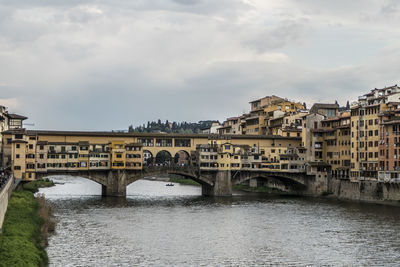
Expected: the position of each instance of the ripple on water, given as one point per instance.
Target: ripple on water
(160, 226)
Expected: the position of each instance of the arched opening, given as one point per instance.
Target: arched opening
(163, 158)
(182, 158)
(147, 158)
(269, 183)
(74, 184)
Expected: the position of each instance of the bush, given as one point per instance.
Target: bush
(181, 180)
(35, 185)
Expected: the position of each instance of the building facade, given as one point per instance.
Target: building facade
(366, 131)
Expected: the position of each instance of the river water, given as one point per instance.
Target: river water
(158, 225)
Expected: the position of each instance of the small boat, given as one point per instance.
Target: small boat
(170, 184)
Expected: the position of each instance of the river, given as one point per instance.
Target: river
(158, 225)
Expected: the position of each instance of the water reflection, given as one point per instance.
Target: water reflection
(158, 225)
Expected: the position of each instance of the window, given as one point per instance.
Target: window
(17, 167)
(181, 143)
(17, 145)
(17, 156)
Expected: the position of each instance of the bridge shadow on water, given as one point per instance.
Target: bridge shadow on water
(102, 202)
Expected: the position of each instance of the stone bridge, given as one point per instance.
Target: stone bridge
(213, 182)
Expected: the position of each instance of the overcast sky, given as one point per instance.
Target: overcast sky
(106, 64)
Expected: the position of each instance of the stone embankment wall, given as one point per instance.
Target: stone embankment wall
(4, 197)
(370, 191)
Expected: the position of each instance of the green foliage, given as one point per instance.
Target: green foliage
(20, 242)
(325, 193)
(35, 185)
(181, 180)
(163, 157)
(171, 127)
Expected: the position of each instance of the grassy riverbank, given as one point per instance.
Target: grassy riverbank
(35, 185)
(261, 189)
(184, 181)
(26, 226)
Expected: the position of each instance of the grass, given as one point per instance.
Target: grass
(21, 243)
(261, 189)
(35, 185)
(185, 181)
(27, 224)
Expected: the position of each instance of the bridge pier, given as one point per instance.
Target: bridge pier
(222, 185)
(116, 183)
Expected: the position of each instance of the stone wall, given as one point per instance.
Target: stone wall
(370, 191)
(4, 197)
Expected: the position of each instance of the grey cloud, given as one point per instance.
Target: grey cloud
(277, 36)
(99, 65)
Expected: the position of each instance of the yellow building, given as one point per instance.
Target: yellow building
(365, 131)
(337, 144)
(31, 152)
(265, 154)
(268, 116)
(134, 156)
(118, 155)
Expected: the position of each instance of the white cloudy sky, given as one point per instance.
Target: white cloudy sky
(106, 64)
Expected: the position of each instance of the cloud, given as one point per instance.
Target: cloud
(98, 65)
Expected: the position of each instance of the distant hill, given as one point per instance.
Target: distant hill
(171, 127)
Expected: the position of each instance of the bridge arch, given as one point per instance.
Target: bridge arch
(182, 158)
(163, 157)
(147, 157)
(99, 178)
(286, 180)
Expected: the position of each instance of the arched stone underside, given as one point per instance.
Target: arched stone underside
(96, 176)
(216, 183)
(296, 181)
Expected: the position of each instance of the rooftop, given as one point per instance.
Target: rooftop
(15, 116)
(324, 105)
(141, 135)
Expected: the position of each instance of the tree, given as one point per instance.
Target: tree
(163, 157)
